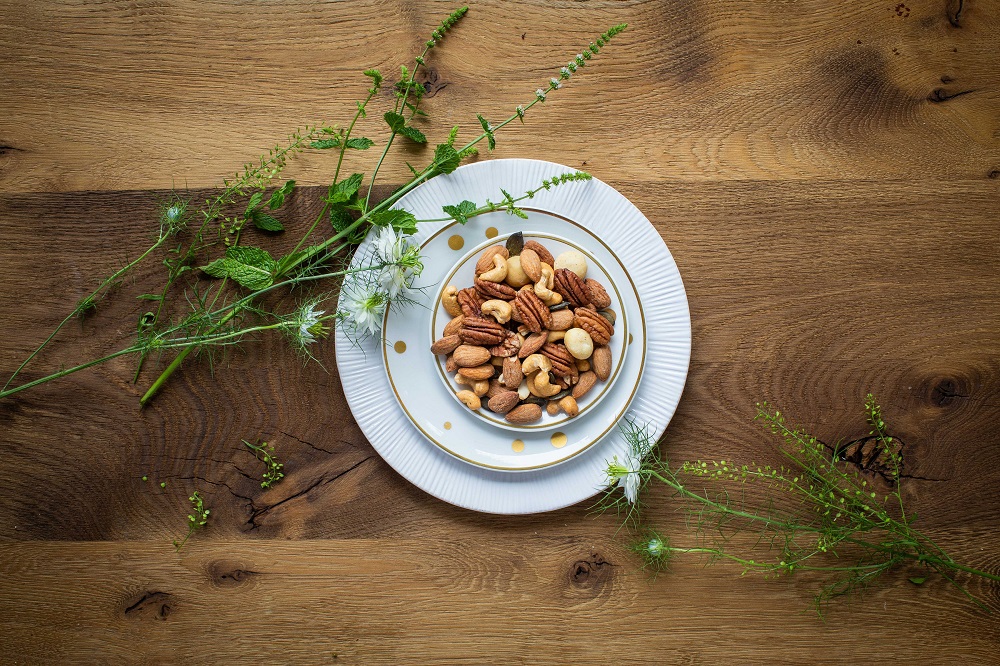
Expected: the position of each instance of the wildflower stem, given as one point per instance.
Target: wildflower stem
(68, 371)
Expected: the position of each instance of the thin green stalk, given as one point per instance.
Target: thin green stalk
(114, 276)
(68, 371)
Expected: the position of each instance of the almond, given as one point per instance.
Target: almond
(552, 408)
(469, 356)
(540, 250)
(524, 414)
(587, 381)
(512, 374)
(531, 264)
(446, 345)
(449, 364)
(485, 262)
(532, 344)
(502, 403)
(454, 326)
(601, 362)
(562, 320)
(495, 388)
(479, 372)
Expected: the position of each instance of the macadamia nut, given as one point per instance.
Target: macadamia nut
(573, 260)
(579, 343)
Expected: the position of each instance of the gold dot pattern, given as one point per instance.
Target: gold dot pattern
(456, 242)
(399, 347)
(447, 425)
(517, 445)
(558, 439)
(630, 338)
(491, 232)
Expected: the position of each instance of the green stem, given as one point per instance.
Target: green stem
(68, 371)
(114, 276)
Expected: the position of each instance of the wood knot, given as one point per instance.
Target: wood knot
(946, 392)
(155, 605)
(229, 574)
(432, 83)
(993, 174)
(591, 572)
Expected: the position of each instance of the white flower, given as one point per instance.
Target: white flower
(554, 82)
(565, 72)
(629, 482)
(365, 308)
(309, 324)
(402, 261)
(540, 94)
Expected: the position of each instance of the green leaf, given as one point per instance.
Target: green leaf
(254, 202)
(461, 212)
(917, 580)
(400, 220)
(413, 134)
(360, 143)
(262, 220)
(343, 191)
(323, 144)
(340, 219)
(490, 141)
(445, 158)
(277, 199)
(149, 297)
(251, 267)
(395, 121)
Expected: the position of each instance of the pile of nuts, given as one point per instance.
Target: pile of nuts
(531, 333)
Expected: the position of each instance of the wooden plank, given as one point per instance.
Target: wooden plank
(124, 95)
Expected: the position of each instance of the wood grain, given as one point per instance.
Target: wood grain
(832, 206)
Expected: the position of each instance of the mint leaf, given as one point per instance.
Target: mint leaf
(251, 267)
(395, 121)
(461, 212)
(413, 134)
(262, 220)
(446, 158)
(277, 199)
(340, 219)
(343, 191)
(254, 202)
(400, 220)
(360, 143)
(323, 144)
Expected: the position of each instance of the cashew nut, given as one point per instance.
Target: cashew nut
(501, 310)
(499, 271)
(449, 299)
(543, 288)
(568, 405)
(536, 362)
(469, 399)
(478, 386)
(555, 336)
(539, 384)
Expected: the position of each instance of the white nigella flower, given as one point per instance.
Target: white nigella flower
(310, 324)
(402, 261)
(540, 94)
(365, 307)
(629, 481)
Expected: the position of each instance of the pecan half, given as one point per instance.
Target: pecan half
(572, 287)
(599, 328)
(536, 315)
(563, 363)
(490, 290)
(470, 302)
(483, 332)
(509, 346)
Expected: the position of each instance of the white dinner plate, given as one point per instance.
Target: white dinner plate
(427, 394)
(605, 214)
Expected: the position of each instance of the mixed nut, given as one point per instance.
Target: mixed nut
(532, 333)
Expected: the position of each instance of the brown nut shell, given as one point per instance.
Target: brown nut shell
(524, 414)
(470, 356)
(601, 362)
(543, 254)
(485, 262)
(446, 345)
(503, 402)
(478, 372)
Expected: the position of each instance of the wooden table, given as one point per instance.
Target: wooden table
(825, 174)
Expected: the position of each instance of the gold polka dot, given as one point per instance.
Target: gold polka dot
(630, 338)
(456, 242)
(559, 439)
(491, 232)
(400, 347)
(447, 425)
(517, 445)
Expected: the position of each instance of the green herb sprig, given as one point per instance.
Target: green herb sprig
(264, 452)
(196, 520)
(846, 527)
